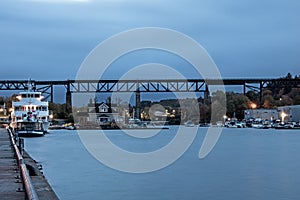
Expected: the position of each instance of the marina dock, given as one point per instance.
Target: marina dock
(20, 177)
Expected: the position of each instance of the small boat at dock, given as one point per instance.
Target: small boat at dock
(287, 125)
(189, 123)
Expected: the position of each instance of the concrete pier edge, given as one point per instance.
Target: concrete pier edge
(34, 183)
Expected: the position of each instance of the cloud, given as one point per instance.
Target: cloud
(246, 38)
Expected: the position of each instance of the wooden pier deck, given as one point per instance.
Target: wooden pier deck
(11, 186)
(8, 170)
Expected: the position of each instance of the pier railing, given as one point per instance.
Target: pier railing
(26, 180)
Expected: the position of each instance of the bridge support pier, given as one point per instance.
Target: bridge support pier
(206, 95)
(68, 99)
(51, 94)
(261, 93)
(138, 104)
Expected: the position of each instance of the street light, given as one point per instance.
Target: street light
(224, 117)
(51, 117)
(283, 115)
(253, 105)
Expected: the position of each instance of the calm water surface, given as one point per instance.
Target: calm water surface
(245, 164)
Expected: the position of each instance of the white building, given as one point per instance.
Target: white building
(289, 113)
(104, 114)
(264, 114)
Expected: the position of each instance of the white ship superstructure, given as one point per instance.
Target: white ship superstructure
(30, 109)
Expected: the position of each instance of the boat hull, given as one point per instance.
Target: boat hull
(30, 133)
(29, 129)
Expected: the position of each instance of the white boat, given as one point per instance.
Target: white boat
(30, 115)
(134, 123)
(189, 123)
(257, 123)
(156, 125)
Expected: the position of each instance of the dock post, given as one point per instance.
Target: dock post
(21, 146)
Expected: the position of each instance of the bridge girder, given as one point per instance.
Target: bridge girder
(102, 86)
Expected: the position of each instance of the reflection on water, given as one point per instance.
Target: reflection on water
(245, 164)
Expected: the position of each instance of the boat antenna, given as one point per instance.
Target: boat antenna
(29, 87)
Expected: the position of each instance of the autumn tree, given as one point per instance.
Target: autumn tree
(218, 106)
(236, 104)
(253, 96)
(296, 100)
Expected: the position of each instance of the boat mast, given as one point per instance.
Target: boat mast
(29, 90)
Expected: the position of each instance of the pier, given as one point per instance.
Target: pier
(20, 177)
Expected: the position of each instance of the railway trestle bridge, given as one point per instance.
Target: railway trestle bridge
(139, 86)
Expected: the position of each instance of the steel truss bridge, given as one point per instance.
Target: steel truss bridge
(138, 86)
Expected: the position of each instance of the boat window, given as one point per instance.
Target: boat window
(36, 95)
(23, 96)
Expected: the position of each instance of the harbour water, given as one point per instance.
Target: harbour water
(245, 164)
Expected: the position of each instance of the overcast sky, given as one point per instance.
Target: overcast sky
(49, 39)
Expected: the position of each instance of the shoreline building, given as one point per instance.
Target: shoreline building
(264, 114)
(289, 113)
(104, 114)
